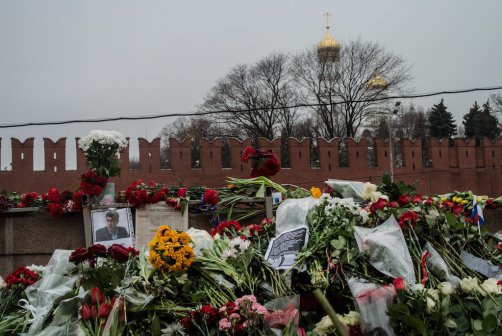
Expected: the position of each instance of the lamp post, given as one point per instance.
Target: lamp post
(380, 84)
(391, 154)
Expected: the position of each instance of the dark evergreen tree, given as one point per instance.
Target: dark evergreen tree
(441, 122)
(480, 123)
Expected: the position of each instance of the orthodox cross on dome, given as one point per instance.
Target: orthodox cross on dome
(327, 14)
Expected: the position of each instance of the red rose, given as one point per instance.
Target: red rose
(118, 252)
(79, 255)
(132, 251)
(97, 250)
(392, 204)
(210, 197)
(399, 284)
(182, 192)
(403, 200)
(429, 201)
(457, 208)
(416, 199)
(53, 195)
(96, 190)
(378, 205)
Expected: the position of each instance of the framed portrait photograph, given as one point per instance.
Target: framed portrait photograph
(112, 226)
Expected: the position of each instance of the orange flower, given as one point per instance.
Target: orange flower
(315, 192)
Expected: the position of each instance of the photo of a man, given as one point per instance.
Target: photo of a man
(112, 231)
(112, 226)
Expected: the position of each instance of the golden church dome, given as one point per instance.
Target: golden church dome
(328, 49)
(377, 83)
(328, 42)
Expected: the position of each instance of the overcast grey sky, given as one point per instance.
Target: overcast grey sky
(63, 59)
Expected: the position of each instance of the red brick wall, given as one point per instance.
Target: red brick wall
(462, 166)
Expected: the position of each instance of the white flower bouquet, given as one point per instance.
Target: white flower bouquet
(101, 149)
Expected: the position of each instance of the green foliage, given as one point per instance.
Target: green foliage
(394, 190)
(441, 122)
(480, 123)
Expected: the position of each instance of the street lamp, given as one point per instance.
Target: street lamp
(391, 156)
(378, 83)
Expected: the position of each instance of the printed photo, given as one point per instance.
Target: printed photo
(112, 226)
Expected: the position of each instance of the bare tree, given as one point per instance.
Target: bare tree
(497, 105)
(194, 128)
(264, 90)
(342, 88)
(317, 89)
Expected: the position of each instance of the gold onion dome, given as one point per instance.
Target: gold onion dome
(377, 83)
(328, 49)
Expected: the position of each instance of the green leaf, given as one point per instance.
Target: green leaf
(452, 221)
(490, 323)
(386, 179)
(398, 308)
(261, 191)
(155, 325)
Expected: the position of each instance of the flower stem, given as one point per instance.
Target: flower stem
(328, 308)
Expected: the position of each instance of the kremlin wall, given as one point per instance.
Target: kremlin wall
(459, 165)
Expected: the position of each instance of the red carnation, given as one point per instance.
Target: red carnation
(248, 153)
(409, 217)
(22, 278)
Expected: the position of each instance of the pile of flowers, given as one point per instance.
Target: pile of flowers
(139, 193)
(244, 316)
(263, 162)
(399, 263)
(56, 202)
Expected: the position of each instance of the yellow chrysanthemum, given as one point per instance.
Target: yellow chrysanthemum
(170, 250)
(315, 192)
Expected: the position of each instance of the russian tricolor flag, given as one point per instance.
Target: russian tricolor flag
(477, 211)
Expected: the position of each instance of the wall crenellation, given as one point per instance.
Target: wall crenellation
(441, 166)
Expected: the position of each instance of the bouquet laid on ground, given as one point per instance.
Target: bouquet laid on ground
(398, 264)
(100, 149)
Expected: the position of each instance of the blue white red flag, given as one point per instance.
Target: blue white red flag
(477, 211)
